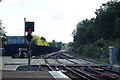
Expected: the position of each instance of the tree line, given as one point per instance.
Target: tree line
(2, 34)
(42, 42)
(92, 37)
(39, 41)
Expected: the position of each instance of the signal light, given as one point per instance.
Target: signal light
(29, 26)
(30, 29)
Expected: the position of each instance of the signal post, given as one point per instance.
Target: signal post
(29, 28)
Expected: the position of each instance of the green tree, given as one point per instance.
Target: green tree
(56, 44)
(2, 34)
(44, 42)
(2, 31)
(53, 43)
(107, 21)
(36, 40)
(94, 36)
(42, 38)
(59, 44)
(84, 32)
(39, 41)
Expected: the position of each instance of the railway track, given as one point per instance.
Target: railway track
(75, 74)
(83, 72)
(80, 76)
(102, 72)
(47, 63)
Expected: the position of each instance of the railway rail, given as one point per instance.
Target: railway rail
(91, 72)
(80, 76)
(47, 63)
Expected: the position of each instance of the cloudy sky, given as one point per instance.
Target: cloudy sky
(54, 19)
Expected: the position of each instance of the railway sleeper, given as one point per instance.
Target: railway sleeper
(81, 76)
(111, 71)
(91, 77)
(101, 74)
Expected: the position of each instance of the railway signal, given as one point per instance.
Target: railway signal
(29, 27)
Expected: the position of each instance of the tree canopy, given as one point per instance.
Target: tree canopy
(39, 41)
(97, 34)
(56, 44)
(106, 25)
(2, 34)
(2, 31)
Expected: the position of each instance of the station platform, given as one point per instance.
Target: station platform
(33, 75)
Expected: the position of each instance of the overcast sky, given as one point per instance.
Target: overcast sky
(54, 19)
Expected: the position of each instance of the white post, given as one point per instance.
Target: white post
(112, 55)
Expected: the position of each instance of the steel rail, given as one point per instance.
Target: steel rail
(102, 74)
(73, 71)
(47, 63)
(106, 69)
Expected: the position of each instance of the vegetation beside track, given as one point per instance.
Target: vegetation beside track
(101, 60)
(93, 37)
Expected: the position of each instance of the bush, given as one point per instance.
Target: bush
(100, 43)
(88, 50)
(118, 50)
(99, 49)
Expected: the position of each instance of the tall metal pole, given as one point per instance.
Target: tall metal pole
(29, 50)
(29, 37)
(24, 31)
(29, 54)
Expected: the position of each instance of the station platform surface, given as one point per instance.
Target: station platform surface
(26, 75)
(33, 75)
